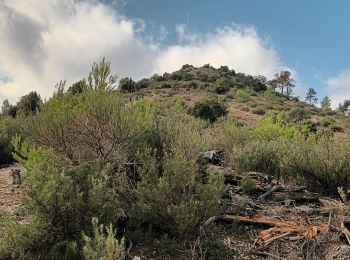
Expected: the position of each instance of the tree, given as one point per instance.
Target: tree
(311, 96)
(209, 109)
(326, 103)
(127, 85)
(77, 87)
(345, 106)
(8, 109)
(29, 104)
(283, 81)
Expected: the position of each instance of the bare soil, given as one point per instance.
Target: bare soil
(10, 193)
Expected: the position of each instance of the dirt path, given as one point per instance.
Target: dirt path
(10, 194)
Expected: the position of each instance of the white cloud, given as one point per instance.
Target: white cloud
(338, 87)
(44, 41)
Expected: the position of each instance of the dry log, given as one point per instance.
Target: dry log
(269, 192)
(298, 197)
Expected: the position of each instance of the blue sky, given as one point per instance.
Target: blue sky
(44, 41)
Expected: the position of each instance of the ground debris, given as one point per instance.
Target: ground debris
(289, 222)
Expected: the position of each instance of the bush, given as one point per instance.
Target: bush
(336, 128)
(127, 85)
(247, 184)
(93, 126)
(193, 85)
(242, 96)
(62, 200)
(228, 134)
(19, 241)
(9, 127)
(262, 157)
(101, 246)
(297, 115)
(322, 163)
(273, 128)
(258, 111)
(327, 121)
(209, 109)
(28, 104)
(174, 201)
(221, 89)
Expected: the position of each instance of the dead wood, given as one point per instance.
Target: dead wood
(298, 197)
(269, 192)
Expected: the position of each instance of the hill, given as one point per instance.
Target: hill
(200, 163)
(248, 98)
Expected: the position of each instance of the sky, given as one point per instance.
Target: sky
(45, 41)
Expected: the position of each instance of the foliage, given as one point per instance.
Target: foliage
(7, 109)
(9, 127)
(28, 104)
(209, 109)
(127, 85)
(258, 156)
(321, 163)
(78, 87)
(258, 111)
(92, 126)
(273, 128)
(247, 184)
(326, 103)
(101, 246)
(242, 96)
(18, 241)
(62, 199)
(284, 82)
(100, 77)
(174, 201)
(297, 115)
(311, 96)
(345, 106)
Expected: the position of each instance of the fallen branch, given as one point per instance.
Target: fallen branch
(345, 231)
(279, 228)
(269, 192)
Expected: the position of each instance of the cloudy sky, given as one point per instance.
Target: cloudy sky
(45, 41)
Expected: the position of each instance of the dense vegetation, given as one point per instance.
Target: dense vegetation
(106, 168)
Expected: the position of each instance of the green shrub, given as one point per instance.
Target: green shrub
(28, 104)
(327, 121)
(242, 96)
(322, 163)
(193, 85)
(336, 128)
(19, 241)
(258, 156)
(93, 126)
(9, 127)
(174, 201)
(209, 109)
(245, 108)
(273, 128)
(101, 246)
(221, 89)
(252, 104)
(127, 85)
(258, 111)
(247, 184)
(297, 115)
(62, 199)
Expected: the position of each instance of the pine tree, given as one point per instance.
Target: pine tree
(311, 96)
(326, 103)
